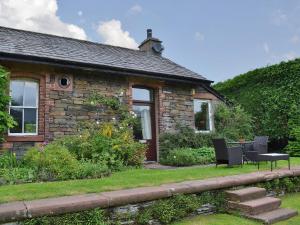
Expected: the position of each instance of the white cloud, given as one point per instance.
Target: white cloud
(79, 13)
(295, 39)
(37, 15)
(266, 48)
(278, 17)
(135, 9)
(112, 33)
(199, 36)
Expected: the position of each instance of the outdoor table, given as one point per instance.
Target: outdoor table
(243, 145)
(274, 157)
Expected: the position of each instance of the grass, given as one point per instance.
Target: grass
(288, 201)
(122, 180)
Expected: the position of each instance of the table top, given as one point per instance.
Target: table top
(241, 143)
(274, 154)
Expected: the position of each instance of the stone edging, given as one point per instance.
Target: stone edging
(16, 211)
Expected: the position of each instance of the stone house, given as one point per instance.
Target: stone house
(51, 77)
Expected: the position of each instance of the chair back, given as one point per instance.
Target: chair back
(261, 144)
(221, 150)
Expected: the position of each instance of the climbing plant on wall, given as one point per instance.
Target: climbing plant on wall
(6, 121)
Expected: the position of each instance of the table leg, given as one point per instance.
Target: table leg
(271, 165)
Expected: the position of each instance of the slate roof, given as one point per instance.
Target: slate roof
(24, 44)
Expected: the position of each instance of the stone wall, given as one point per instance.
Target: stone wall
(176, 107)
(69, 108)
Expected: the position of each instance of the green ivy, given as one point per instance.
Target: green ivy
(6, 121)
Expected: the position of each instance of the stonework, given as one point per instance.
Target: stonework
(67, 109)
(62, 109)
(177, 107)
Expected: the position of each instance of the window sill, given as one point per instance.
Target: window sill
(33, 138)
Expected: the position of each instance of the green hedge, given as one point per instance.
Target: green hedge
(271, 95)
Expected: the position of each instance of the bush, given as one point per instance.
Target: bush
(8, 160)
(6, 121)
(88, 169)
(107, 144)
(190, 156)
(17, 175)
(293, 147)
(186, 137)
(52, 162)
(232, 122)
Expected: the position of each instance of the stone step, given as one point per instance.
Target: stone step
(274, 215)
(256, 206)
(246, 194)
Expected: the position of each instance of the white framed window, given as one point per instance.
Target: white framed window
(203, 115)
(23, 107)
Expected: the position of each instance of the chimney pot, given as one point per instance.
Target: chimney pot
(149, 33)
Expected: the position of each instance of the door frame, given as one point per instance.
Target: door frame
(153, 112)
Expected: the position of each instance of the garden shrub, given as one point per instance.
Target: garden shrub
(282, 185)
(293, 147)
(185, 137)
(52, 162)
(190, 156)
(180, 206)
(6, 121)
(8, 160)
(88, 169)
(232, 122)
(17, 175)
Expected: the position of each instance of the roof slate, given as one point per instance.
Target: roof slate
(31, 44)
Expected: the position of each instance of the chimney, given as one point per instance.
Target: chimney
(151, 44)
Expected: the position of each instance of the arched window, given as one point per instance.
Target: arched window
(24, 106)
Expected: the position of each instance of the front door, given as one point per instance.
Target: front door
(144, 130)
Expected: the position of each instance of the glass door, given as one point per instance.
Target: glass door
(144, 130)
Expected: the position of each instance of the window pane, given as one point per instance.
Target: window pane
(201, 110)
(141, 94)
(29, 120)
(142, 130)
(30, 94)
(17, 90)
(17, 114)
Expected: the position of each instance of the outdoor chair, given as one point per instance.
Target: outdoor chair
(225, 155)
(259, 146)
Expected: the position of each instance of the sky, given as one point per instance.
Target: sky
(218, 39)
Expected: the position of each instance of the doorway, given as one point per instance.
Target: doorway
(145, 129)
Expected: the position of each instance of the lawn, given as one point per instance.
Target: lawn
(122, 180)
(288, 201)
